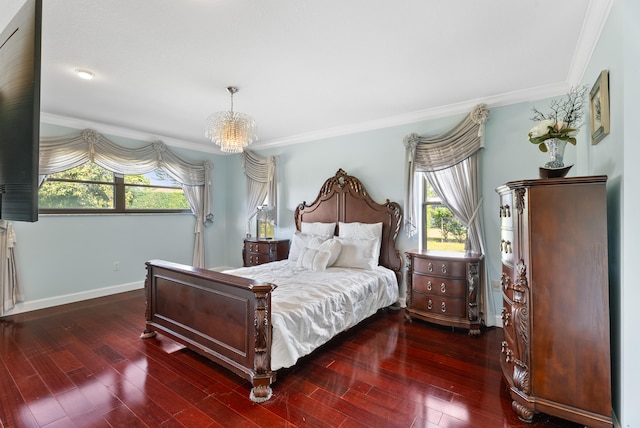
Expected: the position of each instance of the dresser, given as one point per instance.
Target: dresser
(443, 287)
(259, 251)
(555, 356)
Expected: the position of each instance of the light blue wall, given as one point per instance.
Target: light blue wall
(73, 255)
(628, 372)
(618, 51)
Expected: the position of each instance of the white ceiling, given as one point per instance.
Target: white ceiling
(305, 69)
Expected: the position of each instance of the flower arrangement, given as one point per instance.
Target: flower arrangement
(562, 122)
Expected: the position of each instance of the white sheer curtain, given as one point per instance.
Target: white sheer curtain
(10, 292)
(261, 183)
(62, 153)
(450, 162)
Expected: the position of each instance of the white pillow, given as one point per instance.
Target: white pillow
(317, 228)
(332, 245)
(315, 260)
(299, 242)
(357, 253)
(359, 230)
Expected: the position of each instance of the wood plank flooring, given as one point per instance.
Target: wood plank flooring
(84, 365)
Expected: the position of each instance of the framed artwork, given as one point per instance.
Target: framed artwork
(599, 108)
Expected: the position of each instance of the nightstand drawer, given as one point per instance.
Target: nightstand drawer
(438, 305)
(440, 286)
(258, 247)
(257, 259)
(450, 268)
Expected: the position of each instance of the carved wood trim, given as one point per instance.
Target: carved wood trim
(474, 284)
(521, 325)
(519, 202)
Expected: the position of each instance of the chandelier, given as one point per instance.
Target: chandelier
(230, 130)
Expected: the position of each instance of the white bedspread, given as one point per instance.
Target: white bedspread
(309, 308)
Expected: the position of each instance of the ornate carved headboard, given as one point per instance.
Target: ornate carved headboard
(343, 198)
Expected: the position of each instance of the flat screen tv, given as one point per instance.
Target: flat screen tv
(20, 113)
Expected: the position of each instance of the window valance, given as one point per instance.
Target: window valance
(434, 153)
(61, 153)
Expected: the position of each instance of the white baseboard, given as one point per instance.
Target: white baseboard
(34, 305)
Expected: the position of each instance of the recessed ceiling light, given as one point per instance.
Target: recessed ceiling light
(85, 74)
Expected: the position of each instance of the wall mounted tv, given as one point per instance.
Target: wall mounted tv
(20, 113)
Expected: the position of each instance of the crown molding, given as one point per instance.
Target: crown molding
(592, 27)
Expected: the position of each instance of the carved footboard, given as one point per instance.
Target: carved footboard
(225, 318)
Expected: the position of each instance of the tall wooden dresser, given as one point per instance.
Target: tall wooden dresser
(555, 355)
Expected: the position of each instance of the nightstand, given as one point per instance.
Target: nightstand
(259, 251)
(444, 288)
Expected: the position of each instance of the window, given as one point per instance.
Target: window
(90, 188)
(441, 229)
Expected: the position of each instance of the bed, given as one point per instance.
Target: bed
(238, 318)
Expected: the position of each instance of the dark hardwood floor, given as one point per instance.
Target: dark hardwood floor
(84, 365)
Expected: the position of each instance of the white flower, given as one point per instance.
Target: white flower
(541, 128)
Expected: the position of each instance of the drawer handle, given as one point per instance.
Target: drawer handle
(444, 268)
(505, 211)
(508, 352)
(443, 287)
(429, 304)
(443, 307)
(505, 246)
(429, 285)
(505, 317)
(505, 281)
(430, 267)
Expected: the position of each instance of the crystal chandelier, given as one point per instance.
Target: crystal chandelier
(230, 130)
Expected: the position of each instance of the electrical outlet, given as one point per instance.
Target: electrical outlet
(495, 284)
(116, 266)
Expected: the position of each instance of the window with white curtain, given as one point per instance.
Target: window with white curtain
(89, 188)
(441, 230)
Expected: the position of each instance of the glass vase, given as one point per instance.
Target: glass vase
(555, 149)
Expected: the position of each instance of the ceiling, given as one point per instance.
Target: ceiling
(305, 69)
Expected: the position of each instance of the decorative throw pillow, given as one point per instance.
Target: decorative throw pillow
(357, 253)
(317, 228)
(315, 260)
(299, 242)
(332, 245)
(359, 230)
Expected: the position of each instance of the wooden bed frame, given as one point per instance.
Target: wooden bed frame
(227, 318)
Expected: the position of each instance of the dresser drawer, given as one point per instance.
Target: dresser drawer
(506, 208)
(506, 281)
(440, 286)
(450, 268)
(506, 246)
(438, 305)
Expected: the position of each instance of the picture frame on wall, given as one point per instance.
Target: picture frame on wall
(599, 108)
